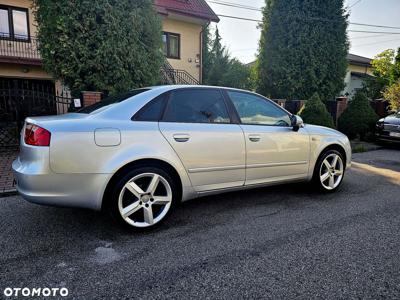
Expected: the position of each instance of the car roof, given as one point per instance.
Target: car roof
(183, 86)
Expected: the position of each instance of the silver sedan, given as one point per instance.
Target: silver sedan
(139, 154)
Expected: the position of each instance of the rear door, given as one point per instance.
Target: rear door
(198, 126)
(274, 151)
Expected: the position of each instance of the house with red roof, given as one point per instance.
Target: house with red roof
(24, 81)
(183, 21)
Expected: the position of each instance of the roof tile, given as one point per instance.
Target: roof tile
(194, 8)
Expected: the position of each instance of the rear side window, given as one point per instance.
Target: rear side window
(110, 101)
(152, 111)
(196, 106)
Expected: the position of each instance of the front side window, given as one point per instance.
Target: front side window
(254, 110)
(171, 45)
(196, 106)
(14, 23)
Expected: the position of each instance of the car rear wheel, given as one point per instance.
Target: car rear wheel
(329, 171)
(143, 198)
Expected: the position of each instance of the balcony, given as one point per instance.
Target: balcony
(26, 52)
(20, 51)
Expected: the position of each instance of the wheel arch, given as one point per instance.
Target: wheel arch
(336, 147)
(147, 162)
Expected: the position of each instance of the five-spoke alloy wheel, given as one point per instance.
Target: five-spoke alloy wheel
(143, 197)
(329, 170)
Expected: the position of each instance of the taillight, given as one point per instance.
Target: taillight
(36, 135)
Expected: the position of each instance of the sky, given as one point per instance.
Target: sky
(241, 36)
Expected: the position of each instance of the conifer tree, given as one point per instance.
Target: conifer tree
(303, 48)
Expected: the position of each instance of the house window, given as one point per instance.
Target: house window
(171, 45)
(14, 23)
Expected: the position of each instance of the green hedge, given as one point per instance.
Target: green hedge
(110, 46)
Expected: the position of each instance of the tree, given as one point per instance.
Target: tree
(219, 61)
(396, 67)
(102, 45)
(315, 112)
(237, 75)
(385, 81)
(206, 53)
(392, 94)
(302, 49)
(220, 69)
(359, 118)
(253, 84)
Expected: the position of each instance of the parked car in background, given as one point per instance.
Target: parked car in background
(388, 129)
(138, 154)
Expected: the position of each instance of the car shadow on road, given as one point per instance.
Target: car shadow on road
(205, 211)
(55, 220)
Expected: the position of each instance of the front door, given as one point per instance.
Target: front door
(274, 151)
(197, 125)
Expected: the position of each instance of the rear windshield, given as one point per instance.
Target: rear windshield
(110, 101)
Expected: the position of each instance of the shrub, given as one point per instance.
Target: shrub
(111, 46)
(315, 112)
(359, 118)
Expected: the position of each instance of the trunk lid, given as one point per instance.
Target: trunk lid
(49, 120)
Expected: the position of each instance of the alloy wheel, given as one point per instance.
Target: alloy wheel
(331, 171)
(145, 200)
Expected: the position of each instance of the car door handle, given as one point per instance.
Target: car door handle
(181, 138)
(254, 138)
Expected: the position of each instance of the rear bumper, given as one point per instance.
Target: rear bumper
(36, 183)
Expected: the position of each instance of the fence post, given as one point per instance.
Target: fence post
(341, 106)
(380, 106)
(89, 98)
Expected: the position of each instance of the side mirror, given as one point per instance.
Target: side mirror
(297, 122)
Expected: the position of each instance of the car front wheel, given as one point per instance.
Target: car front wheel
(329, 171)
(143, 197)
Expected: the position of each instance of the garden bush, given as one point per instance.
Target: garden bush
(359, 119)
(315, 113)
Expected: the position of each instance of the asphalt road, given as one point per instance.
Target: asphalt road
(279, 242)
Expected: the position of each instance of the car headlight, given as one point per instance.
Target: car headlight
(380, 124)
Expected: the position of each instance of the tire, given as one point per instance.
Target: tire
(328, 177)
(143, 198)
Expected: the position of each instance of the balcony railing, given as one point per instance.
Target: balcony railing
(19, 50)
(25, 51)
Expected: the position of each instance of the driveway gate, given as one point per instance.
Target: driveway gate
(21, 98)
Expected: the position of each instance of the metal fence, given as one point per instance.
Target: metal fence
(18, 103)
